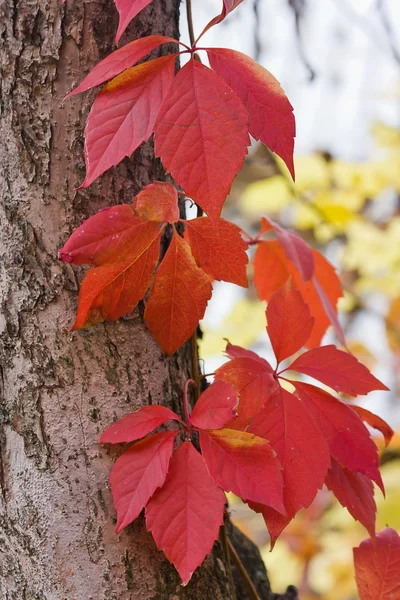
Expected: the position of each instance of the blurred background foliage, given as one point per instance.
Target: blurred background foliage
(339, 62)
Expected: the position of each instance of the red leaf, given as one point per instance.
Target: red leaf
(254, 380)
(294, 247)
(128, 9)
(347, 437)
(238, 352)
(120, 60)
(157, 202)
(228, 7)
(271, 114)
(216, 407)
(184, 516)
(355, 492)
(377, 565)
(218, 249)
(274, 521)
(299, 445)
(178, 298)
(138, 473)
(244, 464)
(340, 370)
(201, 127)
(375, 422)
(124, 113)
(114, 288)
(137, 424)
(271, 271)
(289, 322)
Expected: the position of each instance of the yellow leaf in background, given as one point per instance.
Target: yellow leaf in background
(293, 569)
(362, 353)
(265, 196)
(393, 326)
(388, 509)
(386, 136)
(312, 173)
(242, 327)
(305, 216)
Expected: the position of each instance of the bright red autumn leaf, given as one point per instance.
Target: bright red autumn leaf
(238, 352)
(128, 9)
(375, 422)
(202, 125)
(355, 492)
(275, 521)
(216, 407)
(185, 515)
(137, 474)
(271, 118)
(301, 449)
(377, 565)
(121, 59)
(244, 464)
(124, 113)
(137, 424)
(289, 323)
(219, 249)
(346, 435)
(254, 380)
(337, 369)
(178, 297)
(228, 7)
(157, 202)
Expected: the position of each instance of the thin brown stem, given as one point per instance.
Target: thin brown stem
(242, 571)
(190, 22)
(225, 547)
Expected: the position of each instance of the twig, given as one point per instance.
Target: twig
(190, 22)
(225, 547)
(242, 571)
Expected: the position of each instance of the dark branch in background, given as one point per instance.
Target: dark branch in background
(366, 27)
(257, 31)
(387, 26)
(298, 7)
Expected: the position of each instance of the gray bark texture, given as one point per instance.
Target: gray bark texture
(59, 390)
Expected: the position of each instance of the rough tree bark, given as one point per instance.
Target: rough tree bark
(58, 390)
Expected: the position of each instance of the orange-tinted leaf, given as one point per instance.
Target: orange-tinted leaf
(201, 135)
(271, 114)
(178, 298)
(157, 202)
(114, 288)
(271, 271)
(185, 515)
(138, 473)
(137, 424)
(299, 445)
(375, 422)
(346, 435)
(377, 565)
(289, 322)
(338, 369)
(120, 60)
(295, 248)
(238, 352)
(245, 464)
(216, 406)
(124, 113)
(218, 249)
(128, 9)
(355, 492)
(254, 379)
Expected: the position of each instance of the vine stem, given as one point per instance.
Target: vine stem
(242, 571)
(190, 22)
(225, 547)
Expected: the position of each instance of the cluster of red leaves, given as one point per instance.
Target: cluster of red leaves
(272, 448)
(123, 244)
(377, 564)
(201, 117)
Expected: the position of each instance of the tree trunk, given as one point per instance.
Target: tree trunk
(59, 390)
